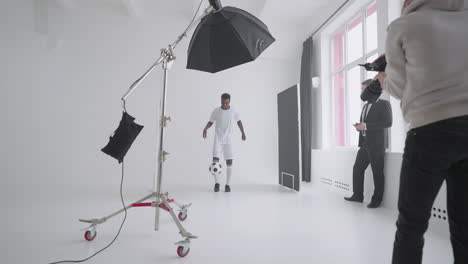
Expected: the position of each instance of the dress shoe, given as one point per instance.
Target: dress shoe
(374, 204)
(354, 199)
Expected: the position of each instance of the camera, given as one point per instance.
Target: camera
(374, 89)
(372, 92)
(378, 65)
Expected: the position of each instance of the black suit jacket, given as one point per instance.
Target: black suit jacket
(377, 121)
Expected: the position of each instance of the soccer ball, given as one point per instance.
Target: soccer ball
(216, 168)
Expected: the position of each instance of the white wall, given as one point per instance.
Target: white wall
(62, 100)
(339, 167)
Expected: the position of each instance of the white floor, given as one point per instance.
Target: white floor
(253, 224)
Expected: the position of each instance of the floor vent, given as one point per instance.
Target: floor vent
(342, 186)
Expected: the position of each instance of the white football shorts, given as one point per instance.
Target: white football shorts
(223, 149)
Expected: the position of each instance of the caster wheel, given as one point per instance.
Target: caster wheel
(90, 236)
(182, 251)
(182, 217)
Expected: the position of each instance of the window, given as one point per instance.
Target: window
(355, 43)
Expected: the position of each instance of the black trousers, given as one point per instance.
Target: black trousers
(375, 157)
(433, 154)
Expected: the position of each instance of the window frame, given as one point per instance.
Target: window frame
(348, 66)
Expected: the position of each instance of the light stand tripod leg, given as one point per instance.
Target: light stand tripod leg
(182, 230)
(105, 218)
(183, 247)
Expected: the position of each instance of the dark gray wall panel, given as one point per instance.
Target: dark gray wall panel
(306, 108)
(289, 138)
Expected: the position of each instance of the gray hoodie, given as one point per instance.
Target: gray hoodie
(427, 55)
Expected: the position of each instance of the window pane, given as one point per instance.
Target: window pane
(347, 49)
(371, 74)
(339, 104)
(355, 42)
(338, 51)
(353, 103)
(371, 28)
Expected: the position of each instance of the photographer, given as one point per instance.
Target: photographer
(376, 117)
(428, 71)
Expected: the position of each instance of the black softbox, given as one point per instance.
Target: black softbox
(122, 139)
(227, 38)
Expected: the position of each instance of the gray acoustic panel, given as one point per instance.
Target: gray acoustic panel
(289, 139)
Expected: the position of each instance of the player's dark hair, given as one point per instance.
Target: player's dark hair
(226, 96)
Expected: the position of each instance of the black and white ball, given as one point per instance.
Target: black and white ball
(216, 168)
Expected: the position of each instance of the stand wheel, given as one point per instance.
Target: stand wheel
(182, 216)
(90, 236)
(182, 251)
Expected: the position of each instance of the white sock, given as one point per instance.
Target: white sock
(228, 175)
(216, 178)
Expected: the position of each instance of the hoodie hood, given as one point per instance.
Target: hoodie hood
(445, 5)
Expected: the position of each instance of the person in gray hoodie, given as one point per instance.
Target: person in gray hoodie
(427, 56)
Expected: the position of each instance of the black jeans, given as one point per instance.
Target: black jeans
(375, 157)
(433, 154)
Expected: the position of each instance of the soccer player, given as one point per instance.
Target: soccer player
(225, 119)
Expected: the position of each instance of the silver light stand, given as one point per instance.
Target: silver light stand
(162, 200)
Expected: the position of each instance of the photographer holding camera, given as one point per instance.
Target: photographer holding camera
(376, 117)
(427, 70)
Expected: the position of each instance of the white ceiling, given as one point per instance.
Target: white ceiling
(310, 13)
(304, 14)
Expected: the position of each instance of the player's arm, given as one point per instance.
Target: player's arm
(241, 127)
(210, 123)
(205, 130)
